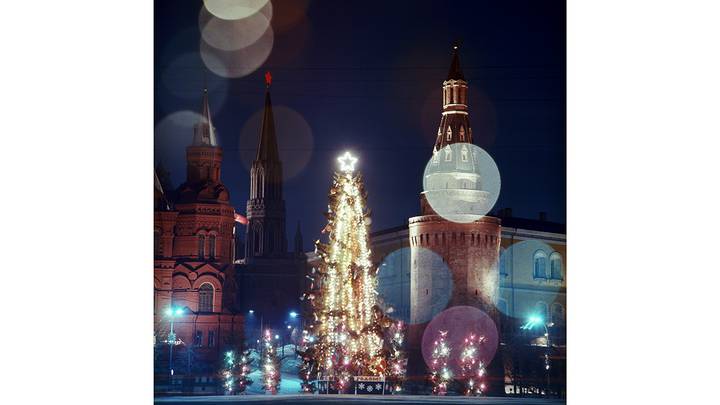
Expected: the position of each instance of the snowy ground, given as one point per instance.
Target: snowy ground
(289, 382)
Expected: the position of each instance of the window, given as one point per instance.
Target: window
(556, 266)
(198, 338)
(462, 134)
(201, 246)
(212, 247)
(449, 134)
(206, 298)
(436, 157)
(539, 260)
(448, 153)
(464, 150)
(501, 265)
(211, 338)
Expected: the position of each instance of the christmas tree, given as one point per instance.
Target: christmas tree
(440, 374)
(349, 325)
(271, 364)
(228, 372)
(397, 361)
(244, 370)
(471, 366)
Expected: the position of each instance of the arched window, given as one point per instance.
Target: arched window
(539, 262)
(558, 313)
(449, 134)
(464, 150)
(212, 247)
(462, 133)
(556, 266)
(206, 298)
(201, 246)
(448, 153)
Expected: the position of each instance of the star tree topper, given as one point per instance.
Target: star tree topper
(347, 162)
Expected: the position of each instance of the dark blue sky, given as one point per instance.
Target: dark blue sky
(366, 76)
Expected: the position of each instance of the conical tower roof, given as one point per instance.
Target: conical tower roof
(268, 146)
(204, 130)
(455, 72)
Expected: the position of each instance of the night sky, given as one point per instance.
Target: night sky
(366, 76)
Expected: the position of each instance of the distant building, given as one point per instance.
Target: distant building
(194, 271)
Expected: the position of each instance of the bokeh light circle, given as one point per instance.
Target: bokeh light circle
(294, 137)
(460, 322)
(461, 182)
(518, 262)
(173, 134)
(238, 63)
(231, 35)
(234, 9)
(394, 285)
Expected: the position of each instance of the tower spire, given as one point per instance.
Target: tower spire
(204, 129)
(455, 72)
(268, 147)
(454, 125)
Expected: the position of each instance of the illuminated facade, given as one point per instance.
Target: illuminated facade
(194, 249)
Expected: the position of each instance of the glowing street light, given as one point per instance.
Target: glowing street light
(538, 320)
(173, 313)
(293, 314)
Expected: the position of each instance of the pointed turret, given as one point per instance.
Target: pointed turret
(266, 207)
(454, 125)
(204, 129)
(268, 147)
(455, 72)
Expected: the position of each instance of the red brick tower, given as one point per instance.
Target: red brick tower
(470, 250)
(194, 257)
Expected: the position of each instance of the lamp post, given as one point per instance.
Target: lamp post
(172, 341)
(538, 320)
(260, 333)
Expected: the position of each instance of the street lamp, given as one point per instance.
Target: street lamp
(538, 320)
(293, 314)
(173, 313)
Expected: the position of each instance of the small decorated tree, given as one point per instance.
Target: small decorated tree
(227, 374)
(270, 364)
(440, 374)
(471, 366)
(244, 380)
(397, 361)
(308, 368)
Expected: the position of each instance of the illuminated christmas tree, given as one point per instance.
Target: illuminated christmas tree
(440, 374)
(349, 325)
(471, 366)
(270, 364)
(228, 372)
(397, 361)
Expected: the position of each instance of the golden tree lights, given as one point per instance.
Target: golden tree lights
(349, 324)
(270, 364)
(440, 374)
(471, 366)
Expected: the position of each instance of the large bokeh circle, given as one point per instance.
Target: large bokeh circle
(461, 182)
(530, 263)
(394, 285)
(460, 322)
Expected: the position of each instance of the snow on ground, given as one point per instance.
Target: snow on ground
(289, 367)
